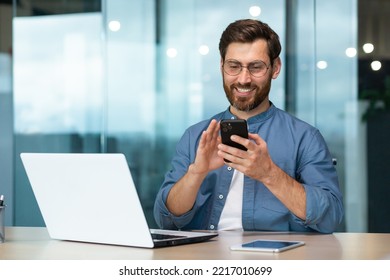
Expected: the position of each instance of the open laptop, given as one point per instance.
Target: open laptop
(92, 198)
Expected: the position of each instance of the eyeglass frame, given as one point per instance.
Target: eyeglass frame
(247, 67)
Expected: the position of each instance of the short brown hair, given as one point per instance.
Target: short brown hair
(248, 31)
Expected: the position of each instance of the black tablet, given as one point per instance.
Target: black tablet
(273, 246)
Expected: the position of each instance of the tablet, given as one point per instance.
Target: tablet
(273, 246)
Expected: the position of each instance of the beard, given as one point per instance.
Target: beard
(249, 103)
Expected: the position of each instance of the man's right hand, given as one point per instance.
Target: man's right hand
(182, 196)
(207, 158)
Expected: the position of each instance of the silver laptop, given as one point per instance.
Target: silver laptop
(92, 198)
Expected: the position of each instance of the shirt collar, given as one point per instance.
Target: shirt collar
(255, 119)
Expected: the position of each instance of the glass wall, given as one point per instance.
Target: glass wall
(323, 91)
(131, 76)
(58, 100)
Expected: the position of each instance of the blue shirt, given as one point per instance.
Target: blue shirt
(295, 146)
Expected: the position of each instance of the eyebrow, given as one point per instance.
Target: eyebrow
(254, 61)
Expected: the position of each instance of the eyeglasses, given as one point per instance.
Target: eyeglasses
(256, 68)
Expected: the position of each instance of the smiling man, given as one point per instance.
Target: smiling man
(284, 181)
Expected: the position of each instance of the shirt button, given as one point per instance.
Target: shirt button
(220, 196)
(211, 226)
(229, 168)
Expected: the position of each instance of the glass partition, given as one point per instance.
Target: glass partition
(335, 96)
(58, 93)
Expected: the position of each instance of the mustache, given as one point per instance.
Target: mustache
(246, 85)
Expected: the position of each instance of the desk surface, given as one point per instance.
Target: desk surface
(28, 243)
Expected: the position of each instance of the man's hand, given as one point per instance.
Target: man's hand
(255, 162)
(207, 158)
(183, 194)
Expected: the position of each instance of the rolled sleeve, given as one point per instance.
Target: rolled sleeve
(324, 206)
(164, 218)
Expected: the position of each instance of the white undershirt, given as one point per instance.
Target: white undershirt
(231, 216)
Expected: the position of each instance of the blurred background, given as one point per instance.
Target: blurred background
(119, 76)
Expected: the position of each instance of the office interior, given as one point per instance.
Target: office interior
(118, 76)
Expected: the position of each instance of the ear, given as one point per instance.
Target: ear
(277, 66)
(221, 65)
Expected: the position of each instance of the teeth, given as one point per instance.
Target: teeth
(244, 89)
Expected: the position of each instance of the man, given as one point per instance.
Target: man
(284, 181)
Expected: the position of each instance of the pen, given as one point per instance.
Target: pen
(1, 200)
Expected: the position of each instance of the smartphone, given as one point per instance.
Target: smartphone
(233, 127)
(273, 246)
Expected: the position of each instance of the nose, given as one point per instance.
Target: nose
(244, 76)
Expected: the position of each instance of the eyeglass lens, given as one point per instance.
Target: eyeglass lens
(256, 68)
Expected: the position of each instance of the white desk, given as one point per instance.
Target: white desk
(29, 243)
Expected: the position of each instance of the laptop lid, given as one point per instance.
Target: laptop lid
(92, 198)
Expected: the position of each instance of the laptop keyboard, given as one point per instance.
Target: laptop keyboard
(158, 236)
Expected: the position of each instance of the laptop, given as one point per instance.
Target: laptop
(92, 198)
